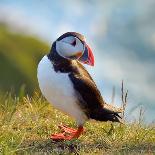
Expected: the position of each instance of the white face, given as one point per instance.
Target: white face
(70, 47)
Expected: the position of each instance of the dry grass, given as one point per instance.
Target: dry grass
(27, 123)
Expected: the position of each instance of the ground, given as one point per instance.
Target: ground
(27, 123)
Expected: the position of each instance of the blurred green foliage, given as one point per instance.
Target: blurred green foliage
(19, 56)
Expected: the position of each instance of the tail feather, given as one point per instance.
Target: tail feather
(106, 115)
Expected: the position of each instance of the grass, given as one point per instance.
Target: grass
(27, 123)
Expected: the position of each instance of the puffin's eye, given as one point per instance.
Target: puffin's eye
(74, 42)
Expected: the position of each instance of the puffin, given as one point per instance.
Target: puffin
(68, 86)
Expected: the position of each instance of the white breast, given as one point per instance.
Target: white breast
(58, 90)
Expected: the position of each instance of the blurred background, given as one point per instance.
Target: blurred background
(121, 34)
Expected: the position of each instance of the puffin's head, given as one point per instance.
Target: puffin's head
(72, 45)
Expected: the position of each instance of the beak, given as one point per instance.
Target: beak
(87, 57)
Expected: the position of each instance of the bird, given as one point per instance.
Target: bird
(68, 86)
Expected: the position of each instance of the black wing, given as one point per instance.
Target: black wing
(89, 96)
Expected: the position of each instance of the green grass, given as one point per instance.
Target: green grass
(27, 123)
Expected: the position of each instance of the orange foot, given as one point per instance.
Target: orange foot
(68, 133)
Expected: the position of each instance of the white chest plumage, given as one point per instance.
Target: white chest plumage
(58, 90)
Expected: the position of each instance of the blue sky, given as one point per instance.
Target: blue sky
(121, 34)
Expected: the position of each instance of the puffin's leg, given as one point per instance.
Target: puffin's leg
(68, 136)
(77, 134)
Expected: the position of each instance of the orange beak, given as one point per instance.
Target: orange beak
(87, 57)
